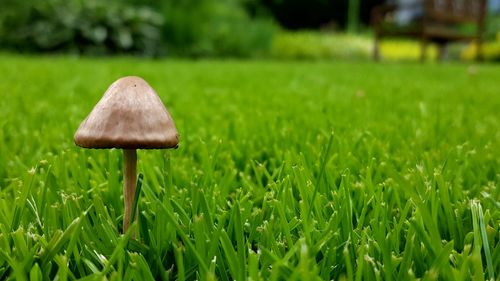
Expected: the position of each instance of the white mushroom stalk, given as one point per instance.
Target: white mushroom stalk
(129, 116)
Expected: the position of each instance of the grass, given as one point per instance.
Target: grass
(286, 171)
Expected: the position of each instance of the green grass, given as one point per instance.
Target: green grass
(285, 171)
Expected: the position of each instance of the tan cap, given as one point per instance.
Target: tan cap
(130, 115)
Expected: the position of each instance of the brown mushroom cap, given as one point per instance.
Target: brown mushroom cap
(130, 115)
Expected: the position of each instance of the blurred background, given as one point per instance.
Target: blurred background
(277, 29)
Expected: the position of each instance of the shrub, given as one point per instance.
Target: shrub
(316, 45)
(492, 26)
(404, 49)
(83, 26)
(189, 27)
(490, 50)
(214, 28)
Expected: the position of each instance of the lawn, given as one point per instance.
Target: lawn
(285, 171)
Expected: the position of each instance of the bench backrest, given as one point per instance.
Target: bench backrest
(456, 11)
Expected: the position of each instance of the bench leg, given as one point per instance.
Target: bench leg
(479, 50)
(423, 50)
(376, 49)
(443, 51)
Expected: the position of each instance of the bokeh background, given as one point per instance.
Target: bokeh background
(281, 29)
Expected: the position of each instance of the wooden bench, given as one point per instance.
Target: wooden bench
(437, 21)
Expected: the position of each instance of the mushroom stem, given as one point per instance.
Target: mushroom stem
(130, 178)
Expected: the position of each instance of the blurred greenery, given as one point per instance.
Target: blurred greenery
(195, 28)
(405, 49)
(89, 26)
(320, 46)
(311, 45)
(353, 15)
(492, 27)
(209, 28)
(214, 28)
(490, 50)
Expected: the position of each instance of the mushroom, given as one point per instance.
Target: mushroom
(129, 116)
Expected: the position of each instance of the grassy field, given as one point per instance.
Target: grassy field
(285, 171)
